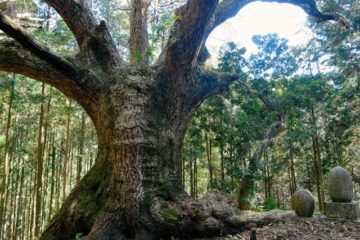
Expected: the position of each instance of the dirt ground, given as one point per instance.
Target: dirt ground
(276, 225)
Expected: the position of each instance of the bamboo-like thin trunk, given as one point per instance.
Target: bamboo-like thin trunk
(222, 163)
(20, 200)
(52, 180)
(195, 178)
(66, 150)
(14, 202)
(81, 147)
(292, 170)
(10, 181)
(39, 166)
(209, 158)
(192, 181)
(317, 161)
(5, 163)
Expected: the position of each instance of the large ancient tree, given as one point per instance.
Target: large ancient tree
(140, 112)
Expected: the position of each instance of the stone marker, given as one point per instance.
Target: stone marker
(349, 210)
(341, 193)
(303, 203)
(340, 185)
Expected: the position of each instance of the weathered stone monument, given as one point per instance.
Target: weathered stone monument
(341, 194)
(303, 203)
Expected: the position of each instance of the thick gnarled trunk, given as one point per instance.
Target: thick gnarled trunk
(135, 186)
(139, 159)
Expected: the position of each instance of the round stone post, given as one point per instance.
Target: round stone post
(341, 194)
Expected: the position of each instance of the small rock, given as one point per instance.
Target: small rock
(251, 225)
(303, 203)
(220, 206)
(340, 185)
(344, 228)
(210, 224)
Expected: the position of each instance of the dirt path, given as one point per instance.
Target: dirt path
(285, 225)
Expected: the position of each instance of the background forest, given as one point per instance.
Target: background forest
(292, 117)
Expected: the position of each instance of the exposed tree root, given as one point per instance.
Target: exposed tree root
(213, 215)
(185, 217)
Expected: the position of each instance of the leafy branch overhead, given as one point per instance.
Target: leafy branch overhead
(194, 23)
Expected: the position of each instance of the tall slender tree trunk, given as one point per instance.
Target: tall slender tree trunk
(222, 163)
(66, 150)
(192, 181)
(39, 166)
(209, 158)
(317, 161)
(5, 163)
(81, 147)
(15, 194)
(32, 209)
(292, 171)
(195, 178)
(8, 192)
(20, 202)
(52, 179)
(309, 174)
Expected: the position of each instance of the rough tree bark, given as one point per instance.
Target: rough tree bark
(140, 113)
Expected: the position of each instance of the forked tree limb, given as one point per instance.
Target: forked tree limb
(77, 17)
(229, 8)
(211, 82)
(16, 59)
(88, 33)
(15, 31)
(187, 34)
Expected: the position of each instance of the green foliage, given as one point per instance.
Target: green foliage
(78, 236)
(232, 59)
(274, 60)
(269, 204)
(170, 214)
(165, 191)
(284, 87)
(138, 57)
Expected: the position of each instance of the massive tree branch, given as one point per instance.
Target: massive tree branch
(16, 59)
(59, 72)
(229, 8)
(15, 31)
(211, 82)
(188, 34)
(309, 6)
(77, 16)
(89, 34)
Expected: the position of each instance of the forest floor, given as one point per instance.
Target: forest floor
(278, 225)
